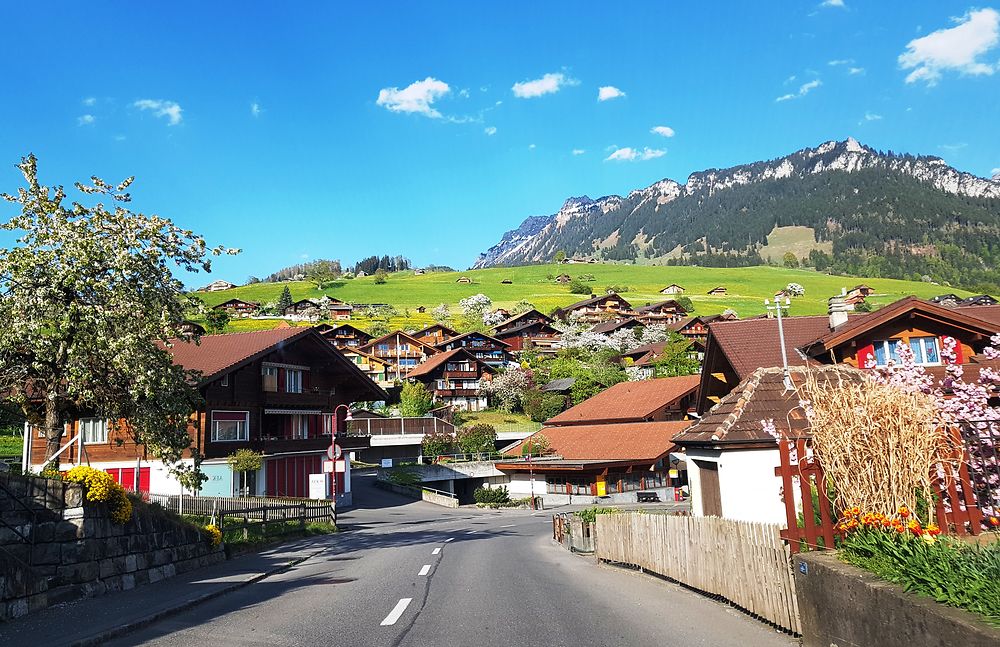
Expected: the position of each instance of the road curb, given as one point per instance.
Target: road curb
(135, 625)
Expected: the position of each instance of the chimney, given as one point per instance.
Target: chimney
(838, 309)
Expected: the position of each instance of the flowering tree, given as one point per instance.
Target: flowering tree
(475, 306)
(442, 313)
(507, 389)
(493, 317)
(89, 304)
(794, 290)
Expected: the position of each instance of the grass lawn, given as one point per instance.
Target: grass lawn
(255, 535)
(502, 421)
(748, 287)
(10, 443)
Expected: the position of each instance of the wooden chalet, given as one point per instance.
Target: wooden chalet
(377, 370)
(463, 279)
(455, 378)
(664, 312)
(697, 327)
(344, 335)
(979, 300)
(304, 309)
(718, 291)
(274, 391)
(530, 329)
(403, 352)
(949, 300)
(596, 309)
(861, 291)
(192, 328)
(483, 347)
(238, 308)
(673, 288)
(435, 334)
(734, 349)
(337, 309)
(564, 278)
(609, 327)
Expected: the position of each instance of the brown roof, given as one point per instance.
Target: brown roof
(213, 354)
(445, 329)
(736, 419)
(435, 361)
(533, 311)
(594, 299)
(989, 314)
(608, 327)
(409, 338)
(656, 306)
(750, 344)
(628, 401)
(636, 441)
(452, 340)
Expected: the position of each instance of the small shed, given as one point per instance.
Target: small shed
(718, 291)
(464, 279)
(673, 288)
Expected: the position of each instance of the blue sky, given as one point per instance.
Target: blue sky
(322, 130)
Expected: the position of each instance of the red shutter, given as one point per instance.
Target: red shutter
(288, 427)
(312, 427)
(281, 380)
(144, 479)
(306, 382)
(959, 351)
(866, 354)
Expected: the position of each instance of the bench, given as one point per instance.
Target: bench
(647, 497)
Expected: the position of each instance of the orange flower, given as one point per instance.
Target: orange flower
(904, 512)
(933, 530)
(994, 522)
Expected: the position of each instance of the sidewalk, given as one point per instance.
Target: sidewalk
(94, 621)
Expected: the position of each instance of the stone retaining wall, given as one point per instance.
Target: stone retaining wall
(79, 552)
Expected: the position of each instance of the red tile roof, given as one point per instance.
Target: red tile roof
(435, 361)
(212, 354)
(628, 401)
(638, 441)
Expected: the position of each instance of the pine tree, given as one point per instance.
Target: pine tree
(285, 300)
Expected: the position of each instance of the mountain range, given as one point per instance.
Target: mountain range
(868, 213)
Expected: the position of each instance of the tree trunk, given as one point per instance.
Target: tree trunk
(53, 428)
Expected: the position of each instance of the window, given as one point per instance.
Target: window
(293, 381)
(94, 430)
(300, 426)
(225, 380)
(925, 350)
(383, 348)
(442, 385)
(270, 376)
(230, 426)
(403, 347)
(327, 424)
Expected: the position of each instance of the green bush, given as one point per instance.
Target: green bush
(589, 515)
(949, 570)
(576, 286)
(437, 443)
(401, 476)
(541, 406)
(491, 496)
(477, 439)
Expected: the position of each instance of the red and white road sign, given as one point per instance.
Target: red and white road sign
(334, 452)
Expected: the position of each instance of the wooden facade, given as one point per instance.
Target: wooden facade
(455, 378)
(238, 308)
(344, 335)
(403, 352)
(596, 309)
(435, 334)
(485, 348)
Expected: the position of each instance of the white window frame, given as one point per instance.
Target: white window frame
(225, 380)
(919, 360)
(300, 426)
(240, 438)
(100, 425)
(293, 380)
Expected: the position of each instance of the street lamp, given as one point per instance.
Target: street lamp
(334, 433)
(777, 308)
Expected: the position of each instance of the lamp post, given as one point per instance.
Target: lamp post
(334, 433)
(777, 308)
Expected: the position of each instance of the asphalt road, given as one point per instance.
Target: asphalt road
(409, 573)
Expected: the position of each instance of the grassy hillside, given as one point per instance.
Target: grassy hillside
(748, 286)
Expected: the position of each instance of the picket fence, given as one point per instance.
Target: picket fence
(747, 564)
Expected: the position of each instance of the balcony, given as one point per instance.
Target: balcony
(456, 393)
(459, 375)
(308, 398)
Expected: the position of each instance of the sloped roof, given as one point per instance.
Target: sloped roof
(409, 338)
(452, 340)
(989, 314)
(234, 301)
(736, 418)
(436, 361)
(592, 300)
(516, 330)
(656, 306)
(562, 384)
(607, 327)
(533, 311)
(628, 401)
(750, 344)
(642, 441)
(213, 354)
(444, 329)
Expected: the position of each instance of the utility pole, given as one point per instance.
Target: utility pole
(777, 308)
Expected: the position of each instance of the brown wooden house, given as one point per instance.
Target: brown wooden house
(483, 347)
(274, 391)
(435, 334)
(455, 378)
(344, 335)
(238, 308)
(530, 329)
(403, 352)
(664, 312)
(596, 309)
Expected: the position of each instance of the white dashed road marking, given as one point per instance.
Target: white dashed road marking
(449, 539)
(425, 569)
(396, 612)
(436, 551)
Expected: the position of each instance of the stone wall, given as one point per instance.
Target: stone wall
(840, 604)
(78, 552)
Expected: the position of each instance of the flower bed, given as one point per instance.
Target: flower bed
(101, 487)
(900, 550)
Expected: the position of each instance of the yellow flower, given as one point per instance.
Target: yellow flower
(214, 534)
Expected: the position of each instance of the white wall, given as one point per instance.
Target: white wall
(750, 490)
(519, 486)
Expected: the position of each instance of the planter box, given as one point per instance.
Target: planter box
(843, 605)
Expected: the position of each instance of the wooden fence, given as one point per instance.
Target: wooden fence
(254, 507)
(811, 518)
(746, 563)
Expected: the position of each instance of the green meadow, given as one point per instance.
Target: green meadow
(747, 288)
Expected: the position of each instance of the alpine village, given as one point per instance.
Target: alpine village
(760, 406)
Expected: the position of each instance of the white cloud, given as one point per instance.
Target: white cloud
(958, 48)
(548, 84)
(634, 154)
(464, 93)
(119, 138)
(578, 151)
(832, 3)
(840, 61)
(418, 97)
(663, 131)
(607, 92)
(804, 89)
(90, 101)
(171, 110)
(85, 120)
(255, 109)
(531, 147)
(870, 116)
(953, 148)
(995, 172)
(490, 130)
(855, 70)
